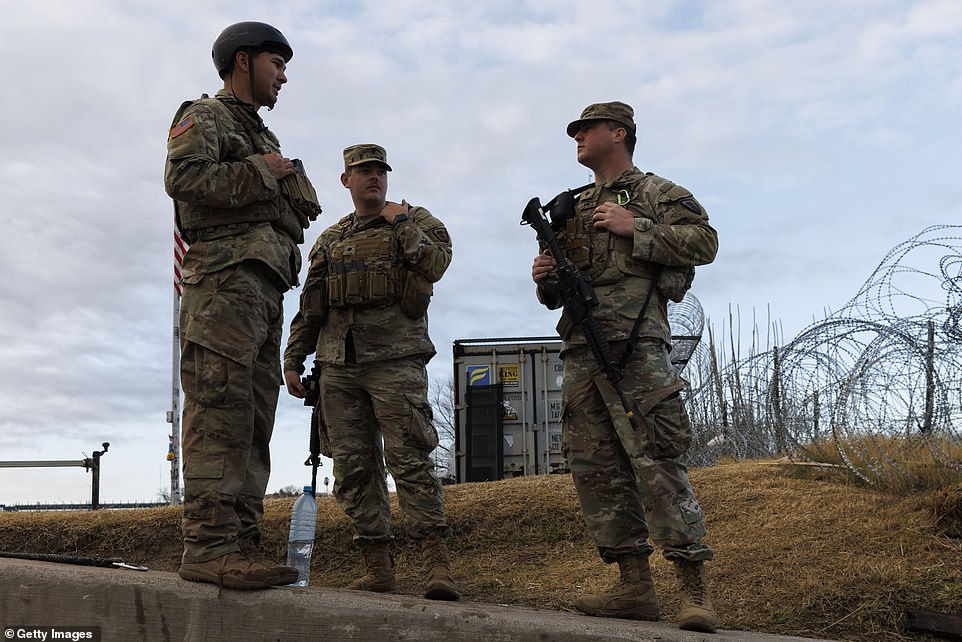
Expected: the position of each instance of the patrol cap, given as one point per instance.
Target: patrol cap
(358, 154)
(617, 111)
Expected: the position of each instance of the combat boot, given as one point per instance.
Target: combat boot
(633, 597)
(438, 584)
(380, 569)
(252, 551)
(233, 571)
(695, 612)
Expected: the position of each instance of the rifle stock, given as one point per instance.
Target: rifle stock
(577, 295)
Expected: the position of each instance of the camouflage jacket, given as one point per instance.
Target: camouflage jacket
(671, 236)
(229, 206)
(381, 329)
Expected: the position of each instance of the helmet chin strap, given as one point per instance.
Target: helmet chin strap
(250, 72)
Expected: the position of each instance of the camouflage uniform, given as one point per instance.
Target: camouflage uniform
(243, 233)
(631, 484)
(364, 314)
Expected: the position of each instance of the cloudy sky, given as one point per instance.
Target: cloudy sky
(818, 135)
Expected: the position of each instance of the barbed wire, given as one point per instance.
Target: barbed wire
(877, 384)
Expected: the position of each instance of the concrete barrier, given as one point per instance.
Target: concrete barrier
(123, 605)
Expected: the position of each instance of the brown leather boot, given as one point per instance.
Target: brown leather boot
(633, 597)
(233, 571)
(380, 569)
(438, 585)
(252, 551)
(695, 612)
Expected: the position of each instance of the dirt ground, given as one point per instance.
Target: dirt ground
(797, 551)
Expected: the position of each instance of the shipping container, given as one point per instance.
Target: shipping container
(507, 412)
(507, 399)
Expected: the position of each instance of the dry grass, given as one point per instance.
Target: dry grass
(798, 550)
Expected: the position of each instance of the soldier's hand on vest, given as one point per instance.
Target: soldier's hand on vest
(392, 209)
(278, 165)
(293, 380)
(543, 264)
(614, 218)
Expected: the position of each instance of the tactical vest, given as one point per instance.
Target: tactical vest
(365, 269)
(605, 257)
(197, 221)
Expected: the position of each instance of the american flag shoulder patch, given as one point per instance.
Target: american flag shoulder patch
(181, 127)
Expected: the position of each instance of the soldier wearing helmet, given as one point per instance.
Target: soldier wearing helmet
(243, 207)
(250, 38)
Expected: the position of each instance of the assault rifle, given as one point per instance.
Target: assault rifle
(574, 288)
(312, 399)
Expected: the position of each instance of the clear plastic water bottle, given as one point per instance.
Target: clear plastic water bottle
(300, 541)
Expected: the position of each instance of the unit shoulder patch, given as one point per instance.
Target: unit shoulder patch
(440, 234)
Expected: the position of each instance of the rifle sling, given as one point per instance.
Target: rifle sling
(636, 328)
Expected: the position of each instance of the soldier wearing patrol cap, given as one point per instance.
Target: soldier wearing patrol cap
(638, 237)
(363, 314)
(243, 207)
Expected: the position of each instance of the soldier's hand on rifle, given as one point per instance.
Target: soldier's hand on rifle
(544, 263)
(615, 219)
(293, 380)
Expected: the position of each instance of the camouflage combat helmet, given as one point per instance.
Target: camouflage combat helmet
(248, 35)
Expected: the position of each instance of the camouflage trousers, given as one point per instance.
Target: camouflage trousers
(631, 484)
(377, 415)
(231, 323)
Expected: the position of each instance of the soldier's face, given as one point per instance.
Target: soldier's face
(367, 183)
(269, 76)
(595, 139)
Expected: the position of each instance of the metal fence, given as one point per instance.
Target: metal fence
(90, 464)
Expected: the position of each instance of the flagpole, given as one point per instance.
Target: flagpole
(173, 416)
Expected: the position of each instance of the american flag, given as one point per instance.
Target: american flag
(180, 248)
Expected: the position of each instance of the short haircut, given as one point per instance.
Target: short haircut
(630, 139)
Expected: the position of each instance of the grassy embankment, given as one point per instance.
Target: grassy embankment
(800, 551)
